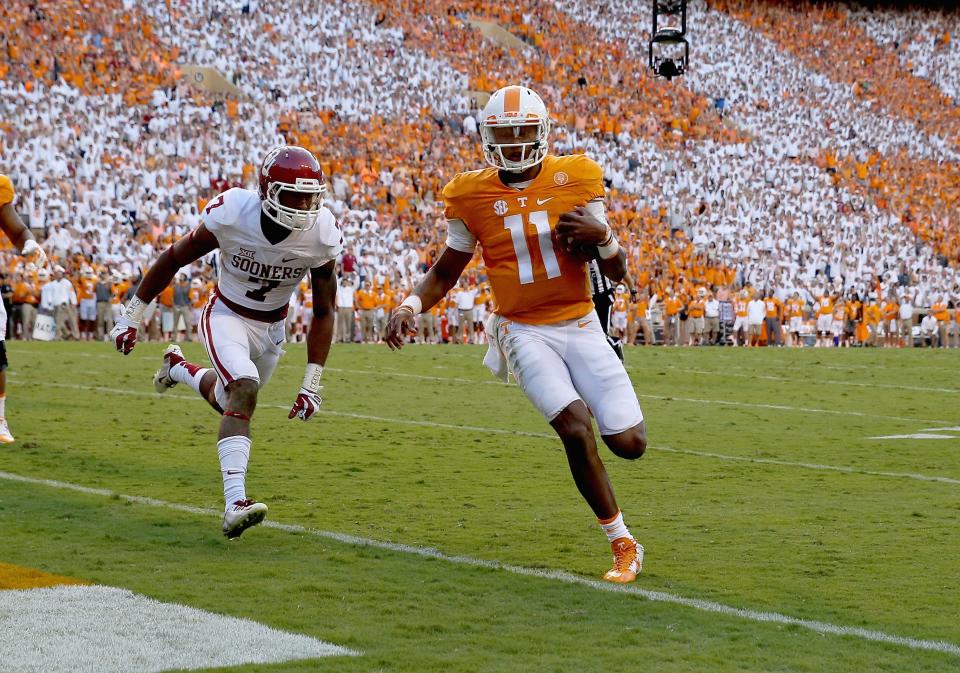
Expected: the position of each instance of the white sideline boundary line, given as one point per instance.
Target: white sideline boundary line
(556, 575)
(518, 433)
(391, 373)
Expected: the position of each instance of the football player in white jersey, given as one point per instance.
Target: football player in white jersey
(268, 241)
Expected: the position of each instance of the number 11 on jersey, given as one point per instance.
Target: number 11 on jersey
(518, 232)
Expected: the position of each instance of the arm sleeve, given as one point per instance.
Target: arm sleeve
(597, 209)
(459, 237)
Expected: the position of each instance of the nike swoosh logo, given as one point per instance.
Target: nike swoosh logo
(583, 323)
(540, 202)
(285, 260)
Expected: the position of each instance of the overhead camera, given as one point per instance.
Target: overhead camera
(669, 51)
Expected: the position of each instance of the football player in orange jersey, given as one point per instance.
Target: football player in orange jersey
(20, 236)
(538, 219)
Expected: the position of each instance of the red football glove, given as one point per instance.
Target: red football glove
(307, 404)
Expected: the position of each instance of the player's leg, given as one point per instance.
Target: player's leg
(5, 436)
(227, 338)
(533, 352)
(604, 386)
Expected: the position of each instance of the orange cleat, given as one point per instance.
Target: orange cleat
(627, 560)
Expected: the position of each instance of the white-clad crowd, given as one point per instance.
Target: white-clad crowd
(115, 183)
(925, 40)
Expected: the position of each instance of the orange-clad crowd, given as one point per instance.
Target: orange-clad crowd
(115, 154)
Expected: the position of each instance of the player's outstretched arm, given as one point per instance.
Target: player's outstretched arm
(319, 337)
(441, 277)
(20, 235)
(187, 250)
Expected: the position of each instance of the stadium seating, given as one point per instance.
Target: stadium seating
(803, 150)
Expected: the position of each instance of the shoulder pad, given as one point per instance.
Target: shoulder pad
(6, 190)
(463, 183)
(224, 209)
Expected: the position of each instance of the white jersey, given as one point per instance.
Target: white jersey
(255, 274)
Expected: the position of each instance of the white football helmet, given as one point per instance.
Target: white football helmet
(514, 107)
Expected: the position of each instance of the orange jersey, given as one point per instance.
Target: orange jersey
(695, 308)
(773, 307)
(839, 311)
(119, 291)
(672, 305)
(891, 310)
(533, 280)
(854, 310)
(620, 303)
(25, 293)
(6, 191)
(166, 297)
(794, 308)
(826, 305)
(940, 312)
(740, 307)
(197, 297)
(366, 300)
(85, 286)
(640, 309)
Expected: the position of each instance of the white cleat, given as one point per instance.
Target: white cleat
(5, 436)
(161, 380)
(241, 515)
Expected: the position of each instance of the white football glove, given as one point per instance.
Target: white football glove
(307, 404)
(124, 332)
(308, 399)
(33, 252)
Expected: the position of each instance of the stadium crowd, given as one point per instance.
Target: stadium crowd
(762, 177)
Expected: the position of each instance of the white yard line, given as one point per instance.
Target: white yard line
(504, 431)
(555, 575)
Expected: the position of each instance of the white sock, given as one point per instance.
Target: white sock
(234, 452)
(184, 372)
(3, 406)
(615, 528)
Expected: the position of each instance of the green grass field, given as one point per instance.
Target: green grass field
(762, 490)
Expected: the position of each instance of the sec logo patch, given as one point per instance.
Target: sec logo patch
(500, 207)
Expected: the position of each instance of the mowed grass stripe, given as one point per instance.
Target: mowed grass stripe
(388, 373)
(519, 433)
(555, 575)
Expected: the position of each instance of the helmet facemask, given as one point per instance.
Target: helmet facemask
(295, 219)
(508, 133)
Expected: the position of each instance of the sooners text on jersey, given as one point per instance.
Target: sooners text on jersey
(256, 275)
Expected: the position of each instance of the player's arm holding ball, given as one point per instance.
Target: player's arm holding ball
(319, 337)
(586, 228)
(188, 249)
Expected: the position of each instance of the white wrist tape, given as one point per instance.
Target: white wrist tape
(414, 303)
(135, 310)
(311, 380)
(610, 249)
